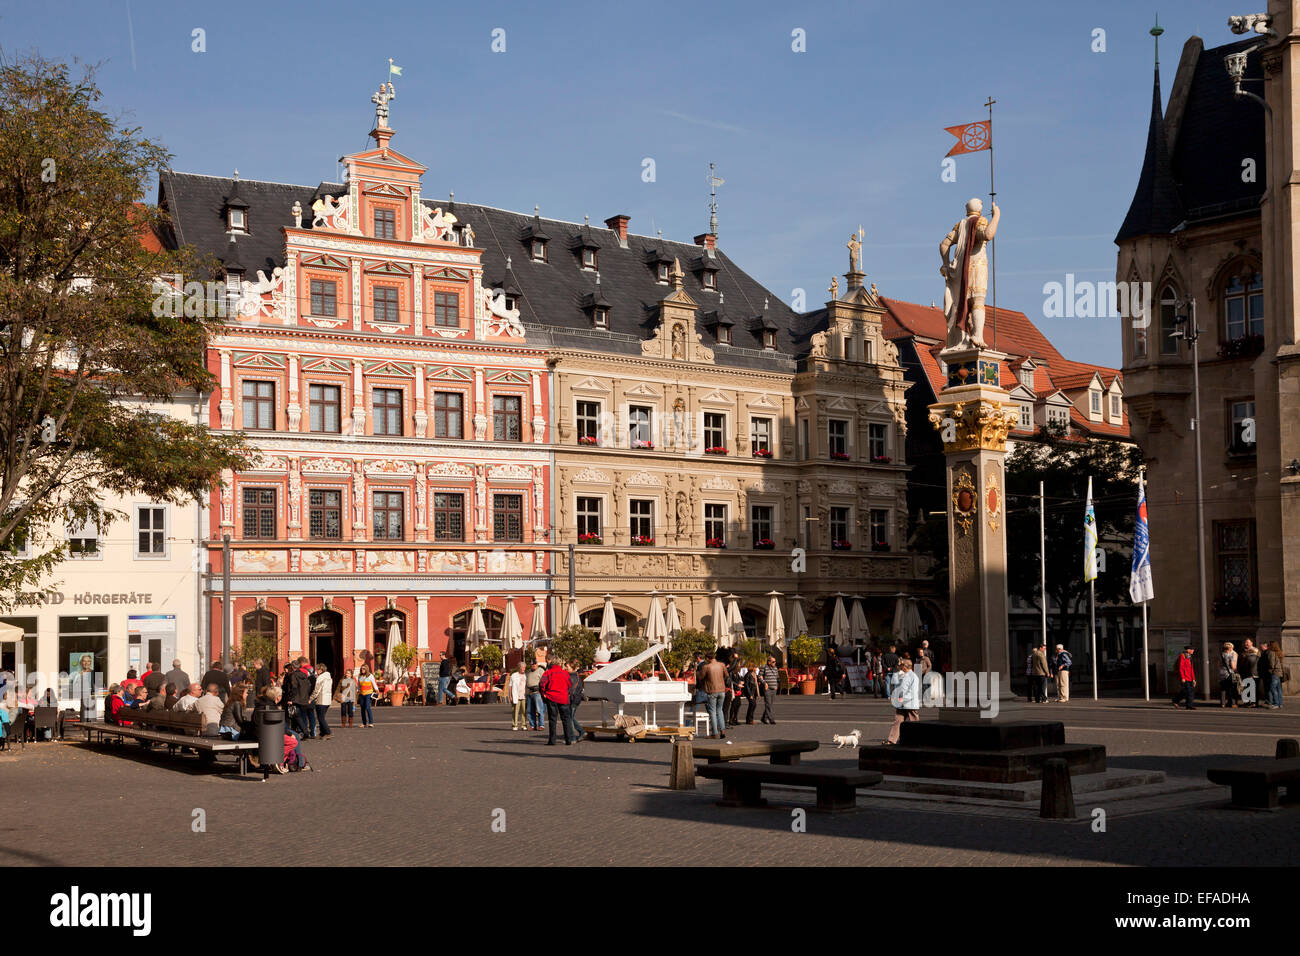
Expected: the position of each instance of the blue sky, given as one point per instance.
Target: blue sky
(810, 144)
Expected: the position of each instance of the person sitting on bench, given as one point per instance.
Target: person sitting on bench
(113, 710)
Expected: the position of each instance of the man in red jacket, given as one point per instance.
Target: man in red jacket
(1186, 674)
(555, 691)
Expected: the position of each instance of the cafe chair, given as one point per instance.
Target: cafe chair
(17, 731)
(47, 718)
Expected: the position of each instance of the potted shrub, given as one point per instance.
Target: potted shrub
(403, 656)
(806, 651)
(491, 656)
(576, 644)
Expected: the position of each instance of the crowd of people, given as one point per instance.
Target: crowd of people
(1262, 669)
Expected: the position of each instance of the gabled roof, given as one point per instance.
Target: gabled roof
(551, 294)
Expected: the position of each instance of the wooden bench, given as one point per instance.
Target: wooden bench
(742, 783)
(784, 753)
(1255, 783)
(171, 729)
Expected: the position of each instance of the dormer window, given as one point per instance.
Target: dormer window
(1027, 376)
(769, 339)
(511, 302)
(600, 317)
(724, 334)
(710, 279)
(1116, 408)
(1094, 403)
(237, 220)
(589, 259)
(385, 224)
(661, 272)
(537, 249)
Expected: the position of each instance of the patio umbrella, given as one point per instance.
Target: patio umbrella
(571, 615)
(907, 622)
(839, 622)
(512, 632)
(608, 623)
(798, 623)
(775, 626)
(477, 632)
(656, 631)
(718, 624)
(672, 622)
(537, 631)
(735, 625)
(10, 633)
(392, 673)
(858, 629)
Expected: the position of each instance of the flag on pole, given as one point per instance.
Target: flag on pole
(971, 138)
(393, 69)
(1089, 539)
(1139, 582)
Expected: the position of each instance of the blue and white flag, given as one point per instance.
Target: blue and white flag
(1139, 582)
(1089, 539)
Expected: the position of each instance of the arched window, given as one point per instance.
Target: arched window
(382, 623)
(1243, 306)
(591, 619)
(492, 621)
(1168, 312)
(260, 626)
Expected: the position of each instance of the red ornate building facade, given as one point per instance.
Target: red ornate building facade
(399, 413)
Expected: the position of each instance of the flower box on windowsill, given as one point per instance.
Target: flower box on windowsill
(715, 543)
(764, 544)
(716, 450)
(839, 456)
(881, 459)
(590, 539)
(642, 540)
(1243, 347)
(1235, 607)
(762, 453)
(638, 443)
(588, 440)
(880, 546)
(841, 545)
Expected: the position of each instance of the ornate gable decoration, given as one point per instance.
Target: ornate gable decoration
(512, 472)
(592, 476)
(385, 267)
(259, 360)
(765, 403)
(590, 385)
(451, 373)
(324, 261)
(446, 272)
(644, 479)
(326, 365)
(388, 467)
(718, 483)
(390, 368)
(717, 397)
(451, 469)
(331, 465)
(642, 390)
(507, 376)
(840, 488)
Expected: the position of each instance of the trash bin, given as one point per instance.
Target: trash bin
(269, 723)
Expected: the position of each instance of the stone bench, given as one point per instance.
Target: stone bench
(782, 752)
(1255, 782)
(742, 783)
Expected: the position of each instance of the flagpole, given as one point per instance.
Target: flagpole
(1092, 617)
(1042, 560)
(1090, 572)
(1146, 666)
(993, 243)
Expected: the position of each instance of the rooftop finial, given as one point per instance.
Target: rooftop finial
(236, 175)
(1155, 31)
(537, 211)
(714, 183)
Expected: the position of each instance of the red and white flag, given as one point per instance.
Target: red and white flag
(971, 138)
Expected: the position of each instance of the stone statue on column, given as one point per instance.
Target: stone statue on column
(966, 275)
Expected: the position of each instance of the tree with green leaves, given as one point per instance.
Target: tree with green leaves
(576, 644)
(1064, 465)
(87, 366)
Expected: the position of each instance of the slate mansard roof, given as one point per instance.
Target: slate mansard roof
(555, 295)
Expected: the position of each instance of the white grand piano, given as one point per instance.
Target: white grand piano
(603, 685)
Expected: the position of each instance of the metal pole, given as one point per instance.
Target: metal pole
(1146, 664)
(993, 245)
(1195, 334)
(1092, 626)
(1042, 559)
(225, 598)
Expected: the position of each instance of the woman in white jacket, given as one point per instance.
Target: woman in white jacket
(322, 695)
(906, 698)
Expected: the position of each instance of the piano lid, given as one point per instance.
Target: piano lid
(616, 669)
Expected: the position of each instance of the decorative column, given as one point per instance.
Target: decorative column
(417, 274)
(295, 500)
(539, 420)
(422, 622)
(973, 416)
(294, 409)
(358, 400)
(421, 502)
(539, 505)
(360, 633)
(356, 294)
(295, 627)
(480, 503)
(227, 402)
(480, 416)
(359, 504)
(421, 414)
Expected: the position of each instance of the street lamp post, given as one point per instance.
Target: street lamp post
(1187, 329)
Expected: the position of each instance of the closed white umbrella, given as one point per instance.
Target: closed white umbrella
(10, 633)
(537, 630)
(672, 622)
(571, 615)
(858, 629)
(839, 622)
(775, 626)
(718, 624)
(512, 632)
(392, 673)
(477, 632)
(608, 623)
(656, 631)
(798, 623)
(735, 625)
(907, 620)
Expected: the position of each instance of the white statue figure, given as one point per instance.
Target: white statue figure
(328, 214)
(381, 100)
(967, 275)
(436, 224)
(467, 235)
(501, 321)
(258, 298)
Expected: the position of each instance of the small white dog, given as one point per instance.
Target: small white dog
(846, 740)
